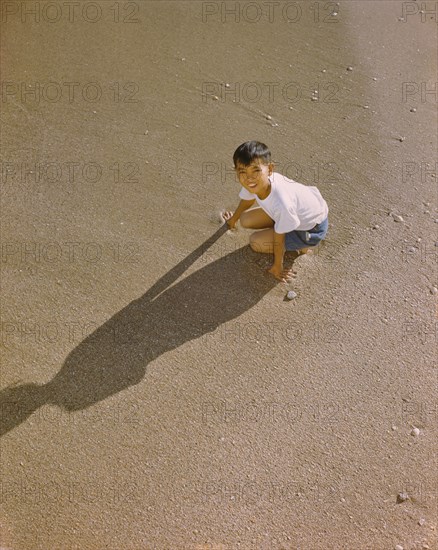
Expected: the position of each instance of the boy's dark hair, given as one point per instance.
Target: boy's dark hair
(249, 151)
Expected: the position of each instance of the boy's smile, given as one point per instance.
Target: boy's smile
(255, 178)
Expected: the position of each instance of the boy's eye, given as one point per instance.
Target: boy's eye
(241, 173)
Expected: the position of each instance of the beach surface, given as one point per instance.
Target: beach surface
(157, 391)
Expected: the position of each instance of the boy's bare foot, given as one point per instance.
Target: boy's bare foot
(305, 251)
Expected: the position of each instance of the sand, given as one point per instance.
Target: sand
(157, 391)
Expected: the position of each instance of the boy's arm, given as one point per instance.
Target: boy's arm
(243, 205)
(277, 268)
(279, 239)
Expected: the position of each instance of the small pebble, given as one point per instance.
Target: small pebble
(349, 68)
(398, 547)
(291, 295)
(413, 110)
(434, 290)
(374, 78)
(394, 428)
(415, 432)
(215, 97)
(324, 71)
(268, 117)
(376, 226)
(227, 85)
(402, 497)
(314, 98)
(396, 217)
(421, 521)
(401, 138)
(412, 250)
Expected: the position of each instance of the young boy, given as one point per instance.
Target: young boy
(293, 216)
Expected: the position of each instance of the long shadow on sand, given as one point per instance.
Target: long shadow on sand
(115, 356)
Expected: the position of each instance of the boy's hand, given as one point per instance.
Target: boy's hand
(229, 218)
(282, 274)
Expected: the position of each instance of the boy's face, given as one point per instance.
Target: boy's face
(254, 177)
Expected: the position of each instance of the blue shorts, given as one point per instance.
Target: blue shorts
(295, 240)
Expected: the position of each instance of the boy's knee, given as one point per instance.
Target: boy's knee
(244, 220)
(254, 244)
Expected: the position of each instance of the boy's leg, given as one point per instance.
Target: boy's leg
(262, 241)
(256, 219)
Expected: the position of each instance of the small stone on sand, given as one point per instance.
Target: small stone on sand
(349, 68)
(402, 497)
(415, 432)
(291, 295)
(396, 217)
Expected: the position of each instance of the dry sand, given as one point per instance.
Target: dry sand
(157, 390)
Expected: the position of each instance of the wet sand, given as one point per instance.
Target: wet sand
(157, 392)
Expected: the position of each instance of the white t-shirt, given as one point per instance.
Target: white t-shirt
(290, 204)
